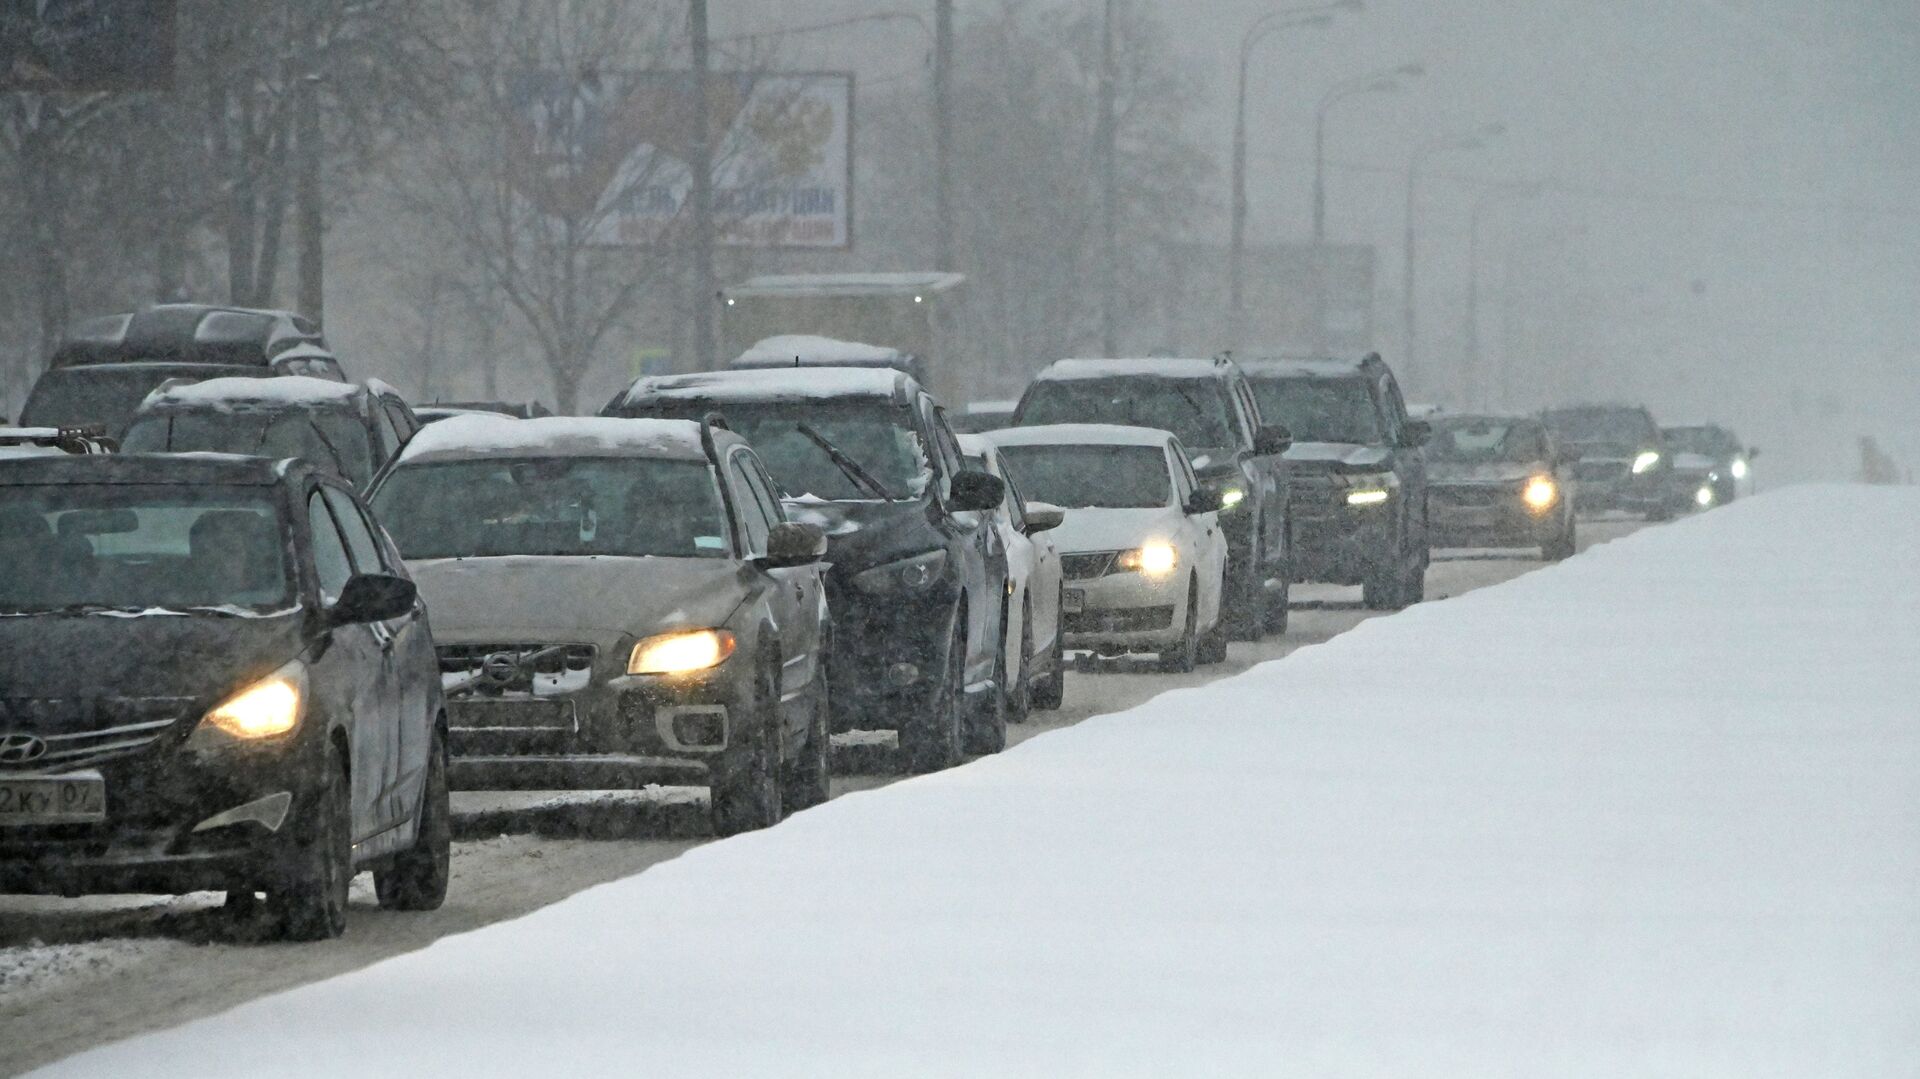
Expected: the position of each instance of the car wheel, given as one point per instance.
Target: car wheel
(1562, 547)
(808, 780)
(1185, 654)
(417, 879)
(745, 795)
(309, 902)
(1213, 644)
(1245, 599)
(1050, 693)
(930, 739)
(1020, 701)
(1280, 605)
(1413, 587)
(986, 730)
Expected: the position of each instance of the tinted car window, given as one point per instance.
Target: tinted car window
(876, 433)
(1624, 425)
(332, 440)
(346, 434)
(1108, 477)
(360, 542)
(1467, 441)
(1320, 409)
(1191, 408)
(330, 561)
(753, 511)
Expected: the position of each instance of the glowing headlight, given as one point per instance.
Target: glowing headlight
(1646, 460)
(1703, 497)
(1540, 492)
(1153, 559)
(266, 709)
(1231, 497)
(1367, 496)
(679, 653)
(1739, 468)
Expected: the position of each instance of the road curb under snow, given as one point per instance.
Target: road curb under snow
(1647, 812)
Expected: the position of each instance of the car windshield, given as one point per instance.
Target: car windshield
(626, 507)
(333, 439)
(878, 435)
(1707, 441)
(1192, 408)
(1616, 425)
(1473, 441)
(1319, 409)
(136, 547)
(1102, 477)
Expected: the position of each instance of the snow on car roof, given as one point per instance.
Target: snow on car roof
(1079, 434)
(774, 383)
(248, 392)
(1157, 366)
(847, 284)
(490, 435)
(812, 349)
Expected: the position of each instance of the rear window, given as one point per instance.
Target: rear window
(334, 440)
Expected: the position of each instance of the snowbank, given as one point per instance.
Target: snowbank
(1649, 812)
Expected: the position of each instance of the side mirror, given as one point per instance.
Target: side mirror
(975, 491)
(1416, 434)
(1044, 517)
(1272, 441)
(793, 544)
(373, 597)
(1204, 500)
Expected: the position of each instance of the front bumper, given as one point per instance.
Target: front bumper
(889, 654)
(1488, 515)
(1609, 484)
(1127, 612)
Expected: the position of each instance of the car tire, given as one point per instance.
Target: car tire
(1050, 693)
(808, 779)
(1213, 645)
(1185, 654)
(1245, 599)
(745, 796)
(930, 739)
(1020, 701)
(1562, 547)
(1280, 606)
(986, 728)
(309, 902)
(417, 879)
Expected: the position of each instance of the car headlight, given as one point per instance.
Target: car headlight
(1646, 461)
(906, 575)
(681, 652)
(1156, 559)
(1540, 492)
(1703, 497)
(1739, 468)
(1370, 488)
(1232, 496)
(269, 708)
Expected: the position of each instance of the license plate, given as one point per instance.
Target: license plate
(80, 798)
(1074, 601)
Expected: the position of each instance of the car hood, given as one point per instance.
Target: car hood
(1483, 472)
(1694, 462)
(1094, 529)
(861, 535)
(558, 598)
(1607, 451)
(1336, 455)
(153, 654)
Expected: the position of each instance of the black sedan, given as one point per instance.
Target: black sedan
(215, 675)
(1500, 481)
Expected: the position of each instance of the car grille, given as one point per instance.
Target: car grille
(1600, 471)
(1474, 497)
(541, 668)
(82, 732)
(1134, 620)
(1087, 567)
(1312, 493)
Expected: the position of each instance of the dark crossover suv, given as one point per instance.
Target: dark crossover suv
(918, 580)
(1359, 477)
(1500, 481)
(348, 430)
(105, 368)
(1710, 462)
(1624, 460)
(1236, 450)
(215, 675)
(619, 603)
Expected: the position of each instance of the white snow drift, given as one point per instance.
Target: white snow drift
(1650, 812)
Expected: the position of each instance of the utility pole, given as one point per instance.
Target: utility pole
(1109, 151)
(310, 222)
(943, 257)
(705, 287)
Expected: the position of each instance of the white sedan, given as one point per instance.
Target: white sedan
(1035, 649)
(1142, 551)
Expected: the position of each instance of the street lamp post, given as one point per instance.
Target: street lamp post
(1380, 82)
(1471, 389)
(1471, 140)
(1291, 18)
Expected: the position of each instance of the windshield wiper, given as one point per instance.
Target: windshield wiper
(846, 464)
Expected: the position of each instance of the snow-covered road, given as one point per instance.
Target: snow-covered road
(122, 966)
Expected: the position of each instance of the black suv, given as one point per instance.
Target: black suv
(1210, 406)
(918, 579)
(1624, 460)
(215, 675)
(106, 367)
(1359, 478)
(348, 430)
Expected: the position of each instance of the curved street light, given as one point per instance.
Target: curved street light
(1466, 140)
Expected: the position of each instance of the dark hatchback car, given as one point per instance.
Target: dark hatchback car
(350, 431)
(1359, 477)
(918, 579)
(1236, 450)
(1711, 462)
(1500, 481)
(1624, 464)
(107, 366)
(215, 675)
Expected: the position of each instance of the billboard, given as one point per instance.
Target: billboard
(86, 45)
(608, 153)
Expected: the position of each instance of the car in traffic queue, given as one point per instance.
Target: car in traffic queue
(1142, 549)
(102, 371)
(1237, 452)
(1035, 649)
(215, 675)
(18, 442)
(349, 430)
(1625, 465)
(1711, 462)
(1500, 481)
(917, 577)
(1358, 475)
(441, 410)
(619, 603)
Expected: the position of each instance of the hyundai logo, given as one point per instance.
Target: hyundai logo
(501, 668)
(21, 749)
